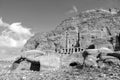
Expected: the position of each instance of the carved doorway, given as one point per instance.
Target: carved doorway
(117, 46)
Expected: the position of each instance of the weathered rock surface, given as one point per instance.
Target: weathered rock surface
(98, 27)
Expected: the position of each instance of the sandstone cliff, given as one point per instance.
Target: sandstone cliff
(98, 26)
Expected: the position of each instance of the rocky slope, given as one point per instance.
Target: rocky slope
(109, 73)
(97, 26)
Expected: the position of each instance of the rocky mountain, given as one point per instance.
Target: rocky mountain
(98, 27)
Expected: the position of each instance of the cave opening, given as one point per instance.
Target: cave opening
(92, 46)
(35, 66)
(73, 64)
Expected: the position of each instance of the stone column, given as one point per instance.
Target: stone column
(63, 51)
(73, 50)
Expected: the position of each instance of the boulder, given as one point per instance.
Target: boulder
(116, 55)
(91, 61)
(104, 51)
(93, 52)
(93, 55)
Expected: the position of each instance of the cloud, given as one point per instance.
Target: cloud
(73, 10)
(19, 29)
(3, 51)
(15, 35)
(3, 23)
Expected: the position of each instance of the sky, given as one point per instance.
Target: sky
(21, 19)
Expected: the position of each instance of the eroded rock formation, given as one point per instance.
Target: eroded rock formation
(98, 27)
